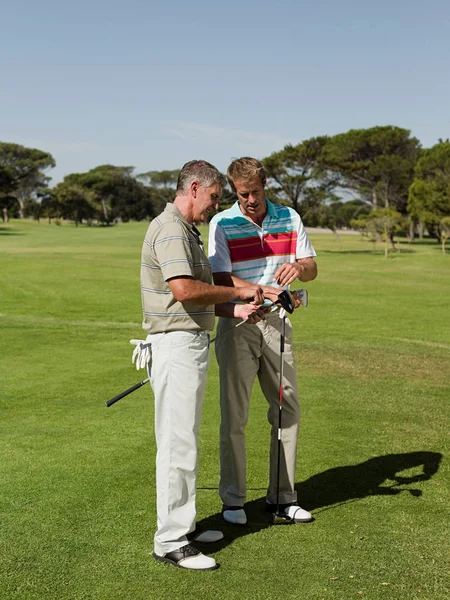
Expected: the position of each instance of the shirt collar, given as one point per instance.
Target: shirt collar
(271, 210)
(172, 209)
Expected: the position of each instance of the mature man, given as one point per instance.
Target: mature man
(259, 243)
(178, 301)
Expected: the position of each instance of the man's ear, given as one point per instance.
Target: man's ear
(194, 188)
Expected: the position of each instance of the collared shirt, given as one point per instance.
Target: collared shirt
(253, 252)
(173, 248)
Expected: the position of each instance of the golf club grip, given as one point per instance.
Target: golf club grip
(125, 393)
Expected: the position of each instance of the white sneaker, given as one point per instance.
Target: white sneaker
(293, 511)
(188, 557)
(234, 514)
(298, 514)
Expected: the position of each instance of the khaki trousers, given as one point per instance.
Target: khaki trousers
(180, 362)
(243, 354)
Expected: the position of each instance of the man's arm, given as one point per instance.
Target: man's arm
(186, 289)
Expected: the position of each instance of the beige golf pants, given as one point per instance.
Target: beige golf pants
(178, 377)
(243, 354)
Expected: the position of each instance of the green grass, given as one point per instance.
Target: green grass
(77, 491)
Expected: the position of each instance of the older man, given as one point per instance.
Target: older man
(258, 243)
(178, 301)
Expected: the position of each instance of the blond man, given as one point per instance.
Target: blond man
(257, 243)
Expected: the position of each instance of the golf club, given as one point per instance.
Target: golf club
(279, 519)
(285, 300)
(126, 392)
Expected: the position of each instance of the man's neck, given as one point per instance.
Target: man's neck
(184, 205)
(257, 220)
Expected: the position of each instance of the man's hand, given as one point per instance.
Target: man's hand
(248, 312)
(251, 294)
(271, 293)
(304, 269)
(288, 273)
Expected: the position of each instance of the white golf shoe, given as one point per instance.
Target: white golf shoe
(188, 557)
(296, 513)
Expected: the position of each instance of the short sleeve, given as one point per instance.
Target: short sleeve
(172, 247)
(304, 247)
(218, 250)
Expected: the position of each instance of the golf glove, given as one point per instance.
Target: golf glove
(142, 354)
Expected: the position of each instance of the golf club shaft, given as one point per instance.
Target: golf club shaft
(280, 408)
(227, 332)
(126, 392)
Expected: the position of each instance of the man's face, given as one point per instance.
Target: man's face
(251, 198)
(206, 201)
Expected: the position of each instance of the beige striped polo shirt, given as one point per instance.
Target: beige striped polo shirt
(173, 248)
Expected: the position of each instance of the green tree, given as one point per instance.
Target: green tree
(25, 168)
(75, 202)
(295, 175)
(117, 194)
(7, 201)
(160, 179)
(51, 207)
(161, 187)
(381, 224)
(376, 164)
(429, 194)
(444, 231)
(334, 214)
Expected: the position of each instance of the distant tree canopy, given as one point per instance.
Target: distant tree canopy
(392, 184)
(429, 194)
(115, 193)
(295, 175)
(22, 172)
(164, 179)
(376, 164)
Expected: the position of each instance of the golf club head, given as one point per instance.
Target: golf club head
(286, 301)
(301, 295)
(282, 519)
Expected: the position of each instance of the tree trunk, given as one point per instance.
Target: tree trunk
(105, 210)
(411, 232)
(393, 244)
(421, 228)
(5, 215)
(21, 207)
(374, 199)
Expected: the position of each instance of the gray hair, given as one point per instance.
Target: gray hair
(198, 170)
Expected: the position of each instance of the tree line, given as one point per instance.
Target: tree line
(378, 180)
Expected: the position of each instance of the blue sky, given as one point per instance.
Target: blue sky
(155, 84)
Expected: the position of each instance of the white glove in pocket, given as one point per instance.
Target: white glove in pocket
(142, 354)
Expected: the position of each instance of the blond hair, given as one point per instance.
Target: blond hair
(245, 169)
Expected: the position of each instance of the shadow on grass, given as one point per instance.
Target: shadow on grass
(9, 231)
(378, 476)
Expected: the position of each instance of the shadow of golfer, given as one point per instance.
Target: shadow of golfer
(378, 476)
